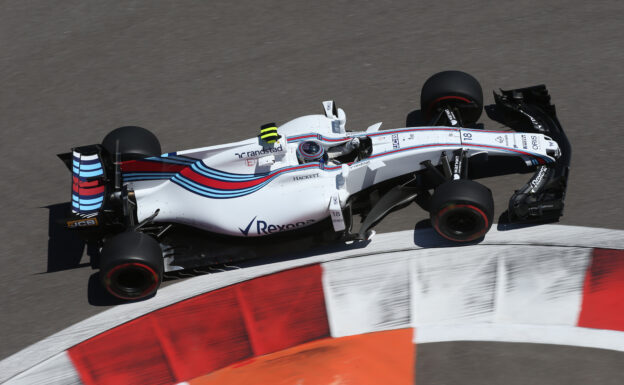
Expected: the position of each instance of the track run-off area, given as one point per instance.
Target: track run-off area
(360, 314)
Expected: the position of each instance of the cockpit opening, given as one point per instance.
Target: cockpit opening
(356, 149)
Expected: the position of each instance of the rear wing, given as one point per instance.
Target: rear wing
(98, 199)
(89, 189)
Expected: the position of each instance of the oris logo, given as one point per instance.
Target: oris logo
(534, 142)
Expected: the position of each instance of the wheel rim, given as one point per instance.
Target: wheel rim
(461, 223)
(131, 281)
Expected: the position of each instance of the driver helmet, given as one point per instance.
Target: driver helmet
(310, 151)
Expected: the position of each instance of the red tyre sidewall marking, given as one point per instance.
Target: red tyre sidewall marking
(134, 264)
(430, 107)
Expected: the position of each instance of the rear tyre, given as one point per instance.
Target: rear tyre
(453, 89)
(131, 265)
(134, 143)
(462, 210)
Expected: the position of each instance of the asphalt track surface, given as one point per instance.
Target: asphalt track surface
(199, 73)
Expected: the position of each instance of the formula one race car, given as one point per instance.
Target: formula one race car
(309, 173)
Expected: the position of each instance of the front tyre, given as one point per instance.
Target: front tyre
(131, 265)
(462, 210)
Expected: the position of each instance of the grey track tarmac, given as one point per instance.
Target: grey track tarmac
(201, 73)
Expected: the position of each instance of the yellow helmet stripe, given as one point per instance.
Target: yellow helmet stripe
(269, 135)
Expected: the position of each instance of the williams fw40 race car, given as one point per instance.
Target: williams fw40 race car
(147, 212)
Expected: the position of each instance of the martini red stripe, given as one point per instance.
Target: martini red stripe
(229, 185)
(88, 191)
(84, 183)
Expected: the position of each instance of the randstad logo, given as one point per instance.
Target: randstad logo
(265, 228)
(264, 151)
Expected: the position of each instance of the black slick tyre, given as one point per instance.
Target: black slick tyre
(454, 89)
(134, 143)
(131, 265)
(462, 210)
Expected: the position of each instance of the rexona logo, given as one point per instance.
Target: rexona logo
(264, 151)
(265, 228)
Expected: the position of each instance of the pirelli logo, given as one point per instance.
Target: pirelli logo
(80, 223)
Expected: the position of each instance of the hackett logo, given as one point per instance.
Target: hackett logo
(265, 228)
(303, 177)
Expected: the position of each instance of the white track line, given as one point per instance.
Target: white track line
(522, 333)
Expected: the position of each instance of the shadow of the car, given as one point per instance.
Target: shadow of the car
(65, 248)
(425, 236)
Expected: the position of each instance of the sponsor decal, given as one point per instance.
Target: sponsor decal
(80, 223)
(524, 142)
(451, 117)
(250, 162)
(457, 167)
(534, 143)
(534, 121)
(264, 151)
(335, 126)
(538, 179)
(304, 177)
(395, 141)
(501, 139)
(359, 164)
(466, 136)
(246, 231)
(266, 228)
